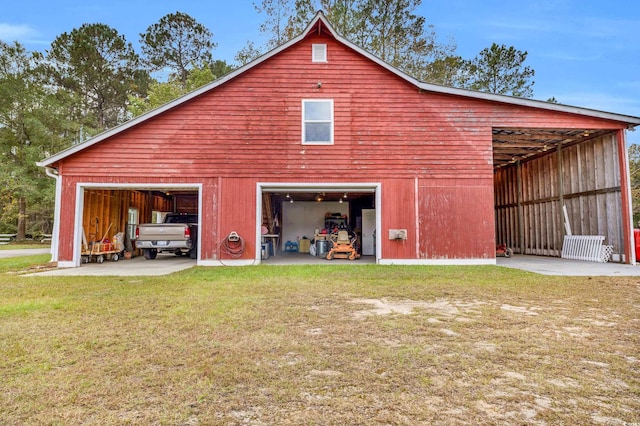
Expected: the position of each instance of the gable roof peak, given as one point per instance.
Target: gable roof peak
(319, 24)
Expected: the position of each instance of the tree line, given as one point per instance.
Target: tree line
(92, 79)
(89, 80)
(391, 30)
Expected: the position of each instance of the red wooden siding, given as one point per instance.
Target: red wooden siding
(383, 125)
(386, 130)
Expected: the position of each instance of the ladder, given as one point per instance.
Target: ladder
(267, 211)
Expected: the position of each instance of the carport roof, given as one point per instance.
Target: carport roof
(513, 144)
(505, 146)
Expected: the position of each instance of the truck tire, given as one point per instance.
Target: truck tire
(193, 254)
(150, 253)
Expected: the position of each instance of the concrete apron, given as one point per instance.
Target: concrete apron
(168, 263)
(577, 268)
(138, 266)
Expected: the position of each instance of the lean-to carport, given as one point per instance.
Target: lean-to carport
(539, 174)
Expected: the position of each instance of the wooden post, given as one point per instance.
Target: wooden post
(519, 207)
(561, 206)
(625, 196)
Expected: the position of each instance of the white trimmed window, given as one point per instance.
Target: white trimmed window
(318, 53)
(317, 121)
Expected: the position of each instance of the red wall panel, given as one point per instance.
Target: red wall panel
(67, 220)
(398, 212)
(456, 219)
(237, 213)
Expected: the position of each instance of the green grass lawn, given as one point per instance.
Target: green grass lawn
(14, 265)
(330, 344)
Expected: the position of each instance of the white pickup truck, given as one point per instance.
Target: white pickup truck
(178, 234)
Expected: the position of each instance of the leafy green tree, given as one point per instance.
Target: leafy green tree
(393, 32)
(448, 71)
(177, 43)
(279, 21)
(32, 126)
(389, 29)
(161, 93)
(98, 69)
(158, 94)
(248, 53)
(500, 69)
(220, 68)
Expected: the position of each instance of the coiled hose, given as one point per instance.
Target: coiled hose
(234, 249)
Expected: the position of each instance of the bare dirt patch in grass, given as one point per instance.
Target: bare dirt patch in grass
(320, 345)
(519, 395)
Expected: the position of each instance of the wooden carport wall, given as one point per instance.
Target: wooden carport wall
(589, 175)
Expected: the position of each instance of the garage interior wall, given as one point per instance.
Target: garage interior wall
(105, 212)
(301, 219)
(585, 178)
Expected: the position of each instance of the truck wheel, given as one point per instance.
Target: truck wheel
(150, 253)
(193, 254)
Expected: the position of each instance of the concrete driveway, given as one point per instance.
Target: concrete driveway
(577, 268)
(162, 265)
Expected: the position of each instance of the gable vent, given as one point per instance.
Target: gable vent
(319, 53)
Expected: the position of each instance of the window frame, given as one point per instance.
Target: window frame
(330, 121)
(133, 220)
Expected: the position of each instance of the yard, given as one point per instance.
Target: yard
(320, 345)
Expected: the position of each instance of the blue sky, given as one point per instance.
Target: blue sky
(585, 53)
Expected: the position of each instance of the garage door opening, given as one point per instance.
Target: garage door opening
(108, 217)
(302, 224)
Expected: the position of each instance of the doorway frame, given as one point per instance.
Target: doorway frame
(267, 187)
(79, 209)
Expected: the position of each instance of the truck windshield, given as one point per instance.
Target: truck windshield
(182, 218)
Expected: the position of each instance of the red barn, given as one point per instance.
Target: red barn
(319, 127)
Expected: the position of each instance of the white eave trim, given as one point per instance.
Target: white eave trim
(632, 121)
